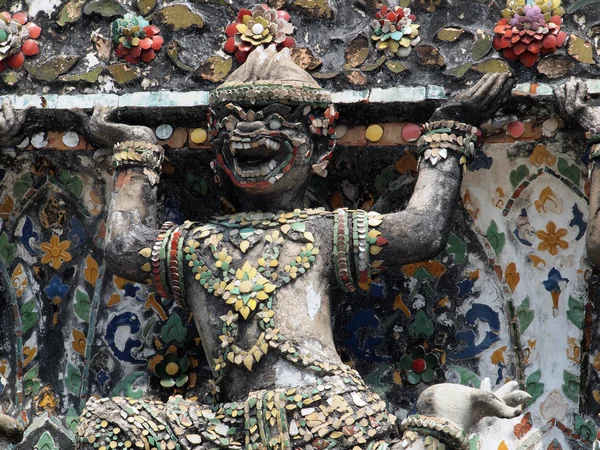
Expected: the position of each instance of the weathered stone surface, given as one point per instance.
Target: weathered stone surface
(555, 66)
(358, 51)
(430, 55)
(50, 69)
(214, 69)
(70, 12)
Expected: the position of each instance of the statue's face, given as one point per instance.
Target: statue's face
(267, 149)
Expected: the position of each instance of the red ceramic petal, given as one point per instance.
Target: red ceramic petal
(520, 48)
(509, 55)
(135, 52)
(284, 15)
(289, 42)
(535, 47)
(412, 17)
(245, 46)
(526, 39)
(549, 41)
(231, 29)
(151, 30)
(16, 61)
(561, 38)
(516, 129)
(383, 11)
(30, 48)
(121, 51)
(497, 42)
(145, 43)
(378, 16)
(499, 29)
(516, 38)
(34, 30)
(148, 55)
(157, 42)
(556, 19)
(503, 21)
(391, 16)
(230, 46)
(241, 56)
(243, 12)
(528, 59)
(399, 13)
(20, 17)
(132, 59)
(508, 32)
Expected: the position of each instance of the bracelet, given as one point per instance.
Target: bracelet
(138, 154)
(440, 136)
(341, 250)
(160, 284)
(438, 433)
(593, 142)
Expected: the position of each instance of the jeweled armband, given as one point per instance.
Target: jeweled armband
(442, 136)
(138, 154)
(593, 142)
(436, 433)
(355, 240)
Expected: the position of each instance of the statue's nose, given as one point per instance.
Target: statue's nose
(249, 127)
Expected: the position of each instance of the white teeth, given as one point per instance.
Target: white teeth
(264, 170)
(277, 145)
(272, 164)
(246, 146)
(254, 144)
(272, 180)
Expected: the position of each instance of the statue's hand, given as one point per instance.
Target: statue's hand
(573, 105)
(102, 131)
(11, 122)
(478, 103)
(465, 406)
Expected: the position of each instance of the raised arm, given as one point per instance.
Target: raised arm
(11, 122)
(131, 223)
(420, 232)
(575, 107)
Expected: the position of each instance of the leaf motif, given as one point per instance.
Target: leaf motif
(73, 379)
(244, 246)
(495, 238)
(571, 172)
(90, 272)
(125, 387)
(8, 251)
(422, 326)
(466, 377)
(79, 342)
(173, 330)
(457, 248)
(512, 276)
(518, 175)
(570, 386)
(29, 315)
(524, 315)
(533, 385)
(576, 312)
(82, 305)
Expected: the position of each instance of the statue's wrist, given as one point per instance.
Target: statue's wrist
(138, 154)
(439, 138)
(433, 429)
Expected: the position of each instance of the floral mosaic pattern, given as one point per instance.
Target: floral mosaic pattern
(17, 40)
(260, 26)
(527, 31)
(394, 31)
(135, 39)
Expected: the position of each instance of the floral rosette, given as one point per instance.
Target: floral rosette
(17, 40)
(260, 26)
(135, 39)
(527, 31)
(394, 31)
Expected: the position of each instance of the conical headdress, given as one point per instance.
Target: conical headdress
(269, 76)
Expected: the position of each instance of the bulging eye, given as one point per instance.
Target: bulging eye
(274, 124)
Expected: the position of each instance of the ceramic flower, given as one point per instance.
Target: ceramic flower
(17, 40)
(552, 239)
(249, 288)
(528, 30)
(135, 39)
(55, 252)
(172, 371)
(419, 365)
(260, 26)
(394, 31)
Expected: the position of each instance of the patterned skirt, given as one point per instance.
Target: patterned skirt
(338, 411)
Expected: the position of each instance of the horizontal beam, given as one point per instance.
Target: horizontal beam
(189, 99)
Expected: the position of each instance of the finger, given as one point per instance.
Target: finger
(484, 85)
(516, 398)
(486, 385)
(560, 93)
(501, 87)
(9, 111)
(103, 113)
(507, 388)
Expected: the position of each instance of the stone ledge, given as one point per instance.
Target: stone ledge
(168, 99)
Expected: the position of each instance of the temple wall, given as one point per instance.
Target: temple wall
(512, 297)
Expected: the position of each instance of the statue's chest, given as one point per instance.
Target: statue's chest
(243, 262)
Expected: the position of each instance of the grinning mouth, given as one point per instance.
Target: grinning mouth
(257, 159)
